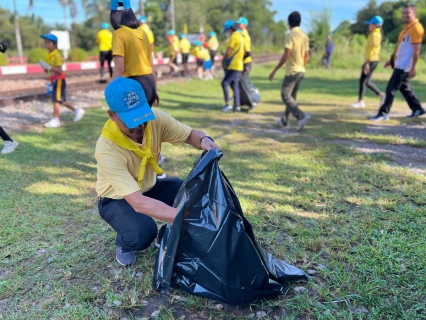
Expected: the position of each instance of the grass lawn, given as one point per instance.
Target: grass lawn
(357, 219)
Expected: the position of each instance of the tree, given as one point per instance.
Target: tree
(97, 10)
(320, 27)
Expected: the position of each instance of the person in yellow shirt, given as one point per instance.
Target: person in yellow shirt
(185, 49)
(131, 49)
(296, 56)
(130, 196)
(213, 46)
(104, 40)
(145, 27)
(207, 62)
(243, 22)
(174, 51)
(198, 53)
(372, 54)
(53, 67)
(233, 65)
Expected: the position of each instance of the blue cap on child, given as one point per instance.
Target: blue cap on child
(120, 5)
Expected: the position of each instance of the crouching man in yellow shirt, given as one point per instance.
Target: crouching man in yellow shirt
(127, 153)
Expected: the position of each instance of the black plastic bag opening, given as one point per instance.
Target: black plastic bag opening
(210, 250)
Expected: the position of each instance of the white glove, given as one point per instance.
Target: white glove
(44, 65)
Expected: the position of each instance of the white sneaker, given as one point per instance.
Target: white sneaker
(228, 108)
(9, 146)
(303, 122)
(159, 74)
(54, 123)
(382, 100)
(358, 105)
(79, 114)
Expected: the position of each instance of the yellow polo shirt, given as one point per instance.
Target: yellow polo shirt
(373, 45)
(213, 43)
(298, 42)
(185, 45)
(54, 59)
(148, 31)
(104, 40)
(134, 46)
(197, 52)
(118, 168)
(247, 44)
(236, 42)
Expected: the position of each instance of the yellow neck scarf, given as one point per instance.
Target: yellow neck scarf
(112, 132)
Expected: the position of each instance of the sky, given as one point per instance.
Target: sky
(341, 9)
(52, 11)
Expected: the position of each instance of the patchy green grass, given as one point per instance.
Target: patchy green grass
(355, 219)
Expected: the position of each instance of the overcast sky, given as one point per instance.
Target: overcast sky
(52, 12)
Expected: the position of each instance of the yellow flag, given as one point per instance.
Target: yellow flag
(185, 28)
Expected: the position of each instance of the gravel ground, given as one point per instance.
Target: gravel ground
(10, 85)
(31, 115)
(404, 156)
(406, 131)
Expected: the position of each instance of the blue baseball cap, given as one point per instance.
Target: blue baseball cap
(212, 34)
(375, 20)
(50, 37)
(171, 32)
(105, 25)
(120, 5)
(198, 43)
(227, 25)
(182, 35)
(242, 20)
(142, 19)
(127, 98)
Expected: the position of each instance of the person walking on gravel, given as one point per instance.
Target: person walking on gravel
(131, 49)
(104, 40)
(9, 144)
(372, 54)
(53, 67)
(404, 61)
(127, 152)
(296, 56)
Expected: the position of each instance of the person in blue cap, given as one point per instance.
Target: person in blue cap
(173, 49)
(131, 50)
(53, 67)
(372, 56)
(104, 40)
(213, 46)
(233, 65)
(130, 196)
(243, 22)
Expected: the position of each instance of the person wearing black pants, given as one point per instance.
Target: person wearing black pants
(9, 144)
(135, 231)
(106, 56)
(372, 54)
(404, 60)
(131, 186)
(232, 78)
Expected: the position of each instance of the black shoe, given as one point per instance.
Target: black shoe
(417, 113)
(282, 123)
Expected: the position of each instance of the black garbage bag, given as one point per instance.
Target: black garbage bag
(210, 250)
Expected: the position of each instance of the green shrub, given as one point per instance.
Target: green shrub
(37, 54)
(3, 60)
(78, 54)
(94, 52)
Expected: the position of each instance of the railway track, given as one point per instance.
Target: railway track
(14, 96)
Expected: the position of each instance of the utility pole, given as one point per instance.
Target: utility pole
(18, 34)
(172, 7)
(141, 8)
